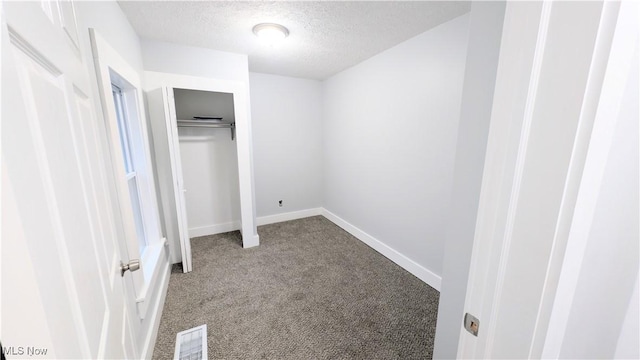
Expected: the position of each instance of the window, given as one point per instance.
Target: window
(139, 226)
(132, 176)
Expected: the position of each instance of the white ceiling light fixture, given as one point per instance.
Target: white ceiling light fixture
(271, 33)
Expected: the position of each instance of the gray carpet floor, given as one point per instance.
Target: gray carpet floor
(309, 291)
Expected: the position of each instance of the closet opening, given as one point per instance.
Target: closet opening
(203, 153)
(209, 158)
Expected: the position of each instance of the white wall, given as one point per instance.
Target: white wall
(390, 126)
(210, 169)
(109, 20)
(287, 143)
(485, 33)
(188, 60)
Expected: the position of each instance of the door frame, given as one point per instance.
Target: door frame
(504, 174)
(614, 64)
(240, 91)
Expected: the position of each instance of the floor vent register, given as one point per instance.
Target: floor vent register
(192, 344)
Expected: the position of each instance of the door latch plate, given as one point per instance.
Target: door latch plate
(471, 323)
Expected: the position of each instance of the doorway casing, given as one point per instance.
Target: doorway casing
(159, 87)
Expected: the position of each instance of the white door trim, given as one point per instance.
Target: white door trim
(611, 68)
(522, 119)
(496, 205)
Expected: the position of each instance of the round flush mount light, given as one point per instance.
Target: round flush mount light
(271, 33)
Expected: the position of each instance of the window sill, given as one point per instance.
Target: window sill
(151, 259)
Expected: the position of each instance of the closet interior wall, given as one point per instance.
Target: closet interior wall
(209, 163)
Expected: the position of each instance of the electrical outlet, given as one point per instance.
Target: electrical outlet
(280, 203)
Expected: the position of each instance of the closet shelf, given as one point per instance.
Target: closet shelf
(209, 124)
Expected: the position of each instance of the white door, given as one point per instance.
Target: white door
(53, 150)
(162, 106)
(181, 204)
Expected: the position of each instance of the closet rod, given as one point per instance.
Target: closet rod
(209, 124)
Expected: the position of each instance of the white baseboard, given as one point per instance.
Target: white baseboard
(214, 229)
(294, 215)
(401, 260)
(156, 315)
(262, 220)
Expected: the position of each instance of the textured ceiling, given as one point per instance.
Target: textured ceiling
(325, 37)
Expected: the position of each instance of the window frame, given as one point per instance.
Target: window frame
(111, 68)
(129, 160)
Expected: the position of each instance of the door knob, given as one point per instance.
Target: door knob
(133, 265)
